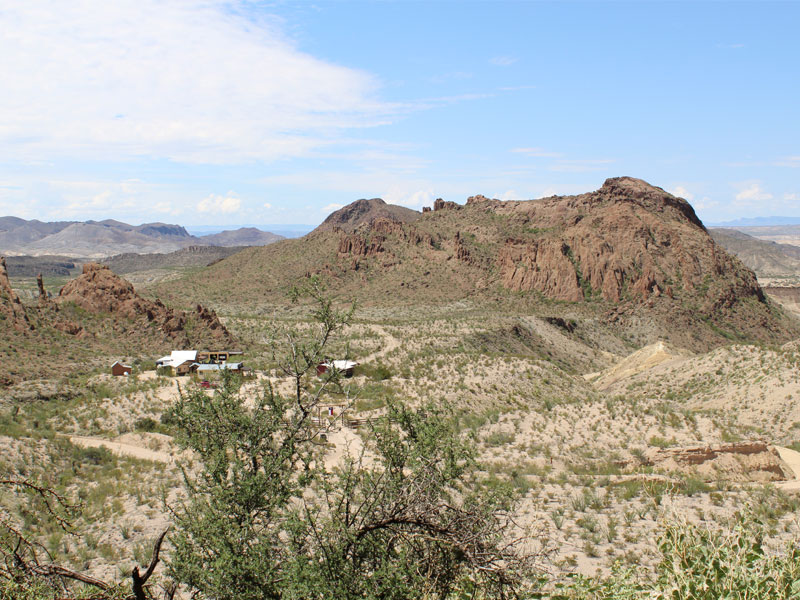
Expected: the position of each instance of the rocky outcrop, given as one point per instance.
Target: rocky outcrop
(368, 239)
(627, 241)
(742, 461)
(461, 251)
(12, 312)
(542, 266)
(44, 297)
(440, 204)
(99, 290)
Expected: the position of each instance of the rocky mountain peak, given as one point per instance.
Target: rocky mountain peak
(650, 197)
(362, 211)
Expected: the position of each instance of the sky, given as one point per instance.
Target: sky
(224, 112)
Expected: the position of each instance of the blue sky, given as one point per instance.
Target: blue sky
(225, 112)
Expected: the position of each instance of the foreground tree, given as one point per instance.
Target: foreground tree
(27, 568)
(263, 518)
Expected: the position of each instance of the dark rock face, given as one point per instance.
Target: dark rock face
(99, 290)
(440, 204)
(11, 309)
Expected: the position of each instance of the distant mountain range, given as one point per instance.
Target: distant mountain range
(757, 222)
(100, 239)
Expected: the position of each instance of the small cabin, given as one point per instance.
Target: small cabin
(118, 369)
(345, 367)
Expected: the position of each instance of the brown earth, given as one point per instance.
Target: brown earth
(741, 461)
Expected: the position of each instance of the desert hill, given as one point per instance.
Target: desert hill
(98, 239)
(788, 233)
(366, 211)
(96, 316)
(629, 254)
(768, 259)
(244, 236)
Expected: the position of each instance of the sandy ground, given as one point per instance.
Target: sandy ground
(391, 343)
(642, 360)
(791, 458)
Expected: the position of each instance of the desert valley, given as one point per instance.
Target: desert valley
(618, 367)
(390, 300)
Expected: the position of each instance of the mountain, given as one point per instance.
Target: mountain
(758, 222)
(244, 236)
(99, 239)
(364, 212)
(783, 234)
(629, 255)
(767, 259)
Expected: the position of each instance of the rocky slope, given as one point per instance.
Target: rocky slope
(193, 256)
(98, 290)
(630, 254)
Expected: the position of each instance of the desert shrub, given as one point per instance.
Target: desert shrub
(93, 456)
(146, 424)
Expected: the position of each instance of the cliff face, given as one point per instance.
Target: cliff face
(99, 290)
(12, 312)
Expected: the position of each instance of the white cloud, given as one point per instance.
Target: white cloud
(751, 191)
(167, 208)
(508, 195)
(187, 80)
(681, 192)
(791, 197)
(789, 161)
(416, 199)
(503, 61)
(215, 203)
(267, 205)
(96, 199)
(581, 166)
(332, 207)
